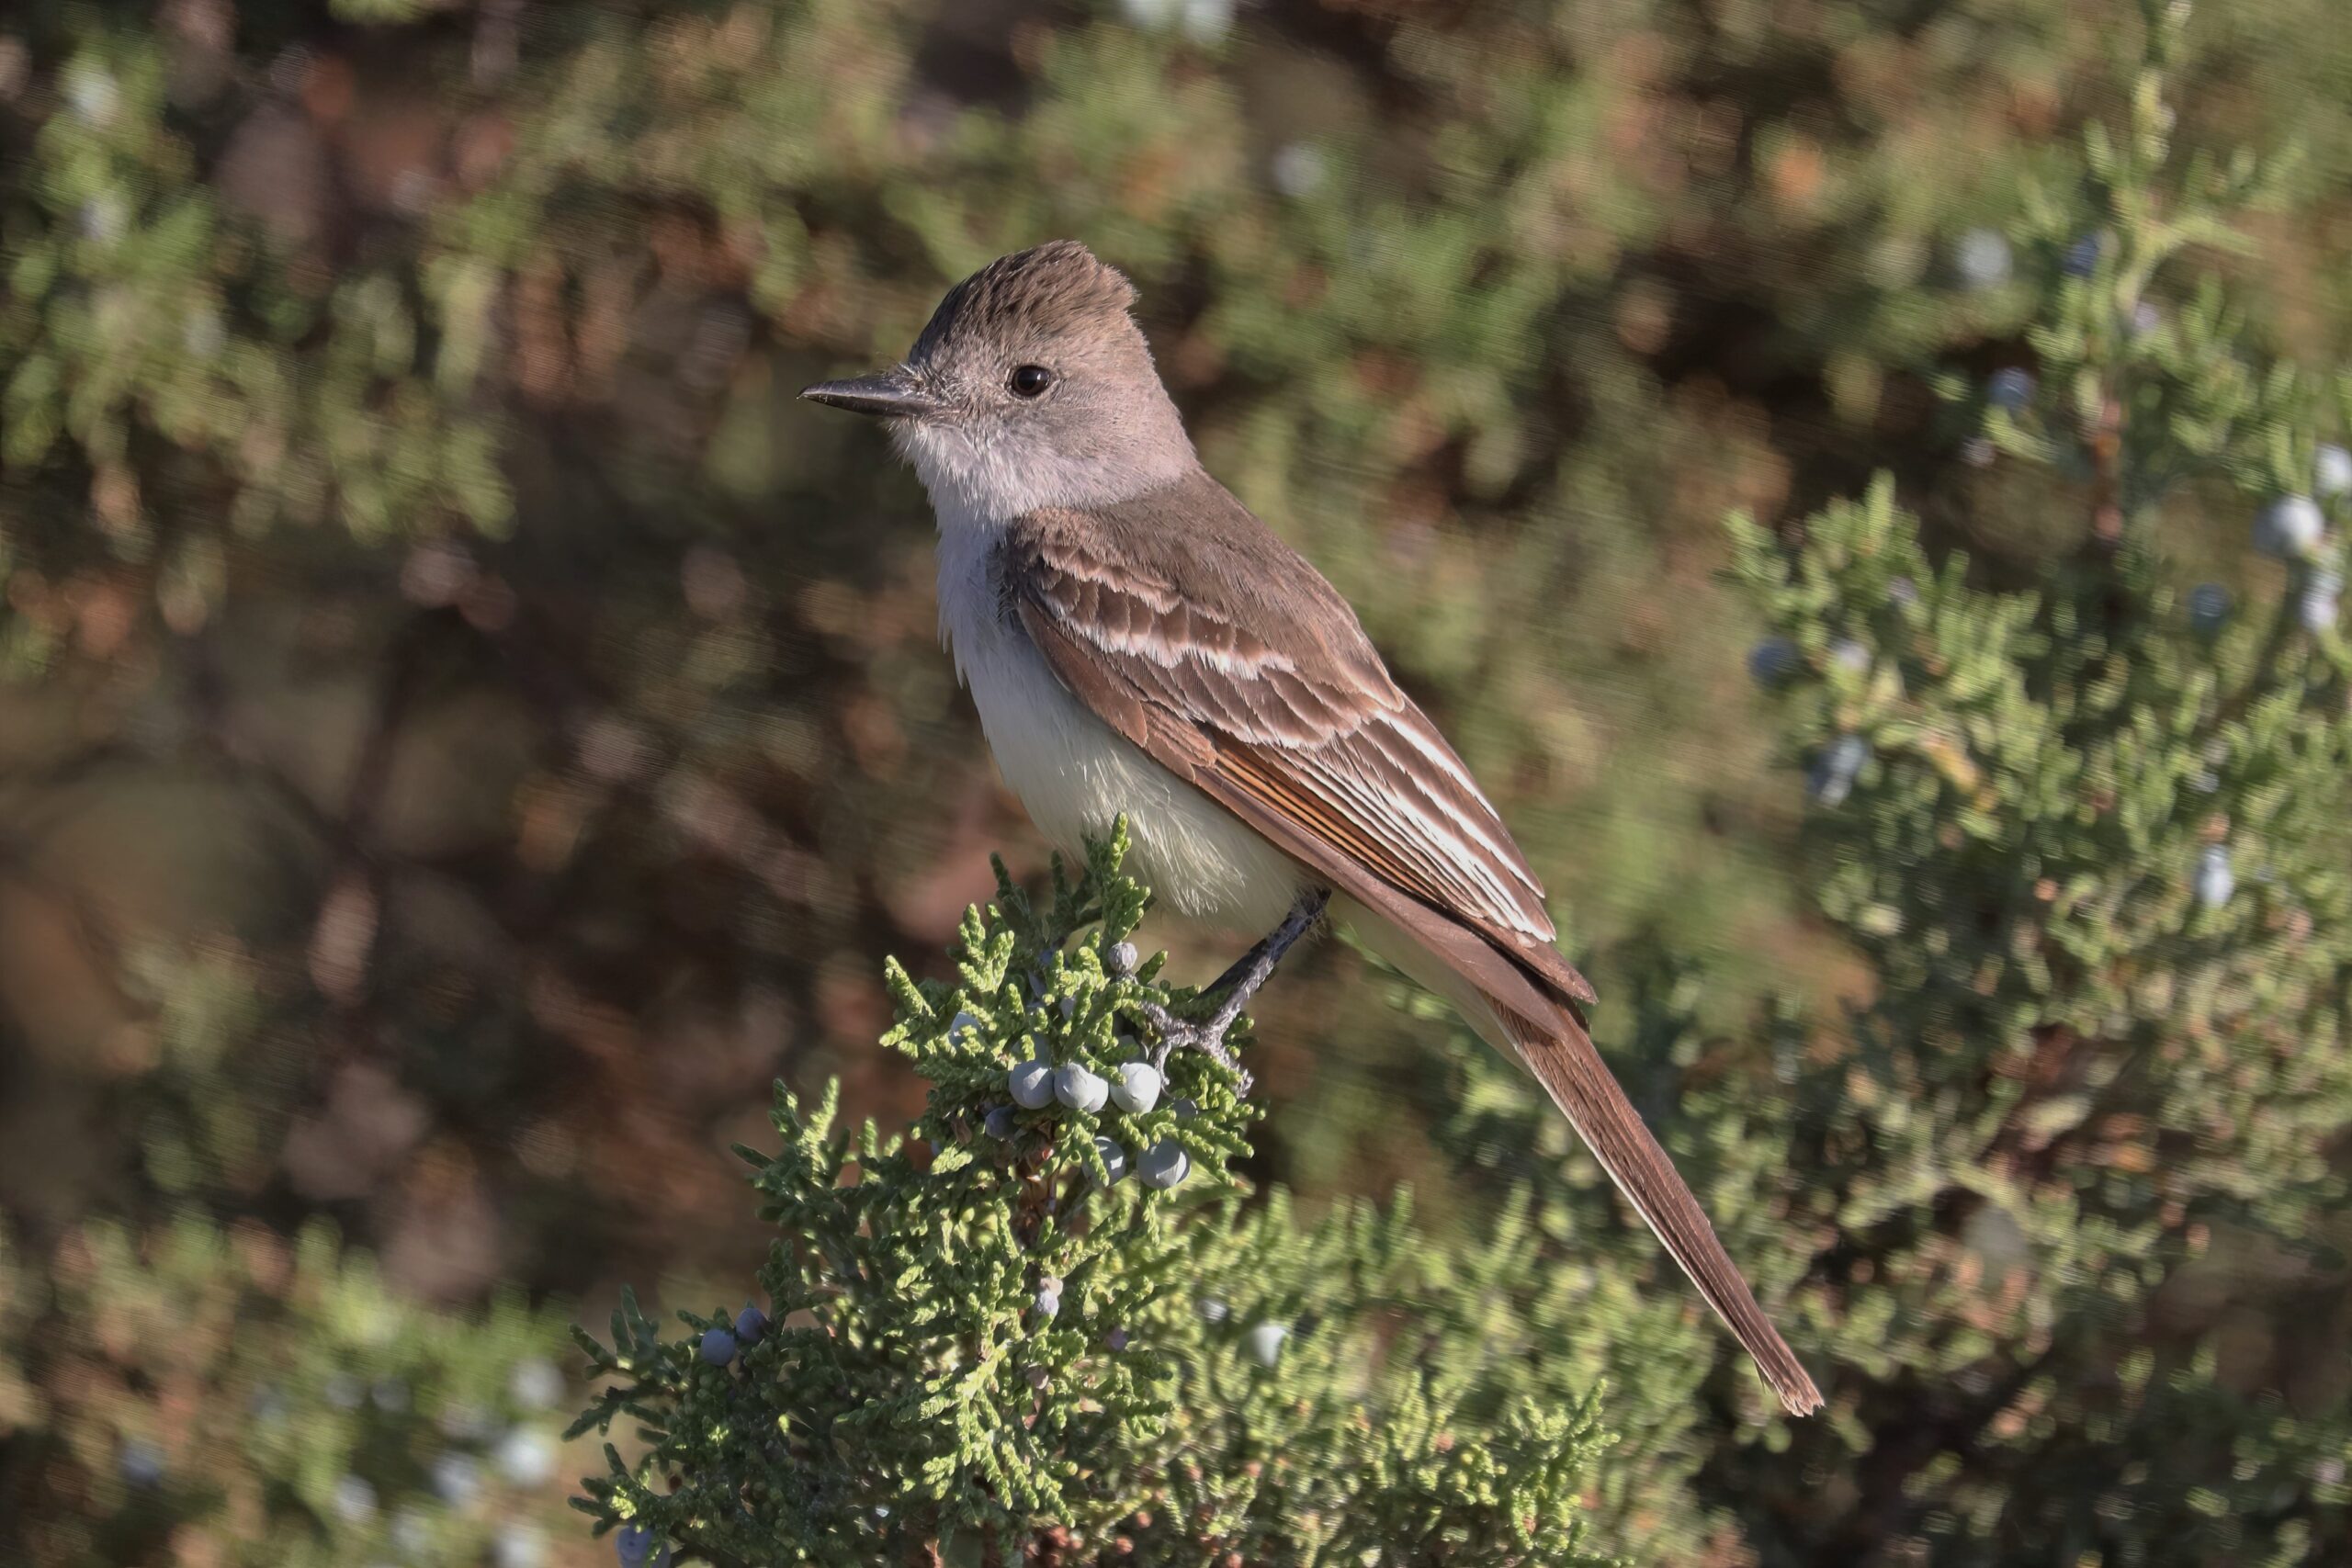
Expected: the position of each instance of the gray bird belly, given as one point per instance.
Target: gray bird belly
(1076, 775)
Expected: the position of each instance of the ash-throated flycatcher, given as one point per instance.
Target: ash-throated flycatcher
(1137, 642)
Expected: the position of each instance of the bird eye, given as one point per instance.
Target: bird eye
(1029, 380)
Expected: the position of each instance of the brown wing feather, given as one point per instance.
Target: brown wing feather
(1258, 799)
(1561, 1055)
(1293, 690)
(1301, 734)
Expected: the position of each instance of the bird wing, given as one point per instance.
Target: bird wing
(1181, 622)
(1234, 657)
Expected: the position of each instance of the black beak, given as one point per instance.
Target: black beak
(893, 394)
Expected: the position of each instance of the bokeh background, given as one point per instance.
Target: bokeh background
(465, 729)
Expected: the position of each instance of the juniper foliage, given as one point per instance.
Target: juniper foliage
(1217, 1379)
(259, 1402)
(2066, 1186)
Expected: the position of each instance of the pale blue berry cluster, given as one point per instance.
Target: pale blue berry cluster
(2209, 606)
(482, 1451)
(1264, 1342)
(1983, 258)
(2293, 528)
(2010, 388)
(1831, 777)
(1060, 1072)
(2290, 527)
(2216, 881)
(2315, 606)
(1774, 662)
(637, 1547)
(1037, 1083)
(720, 1342)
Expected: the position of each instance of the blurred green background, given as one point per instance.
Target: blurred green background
(465, 729)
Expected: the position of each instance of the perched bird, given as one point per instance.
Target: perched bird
(1138, 643)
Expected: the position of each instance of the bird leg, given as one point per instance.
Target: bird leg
(1239, 983)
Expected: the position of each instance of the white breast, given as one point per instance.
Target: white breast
(1076, 775)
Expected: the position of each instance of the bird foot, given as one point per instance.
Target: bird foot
(1205, 1035)
(1239, 985)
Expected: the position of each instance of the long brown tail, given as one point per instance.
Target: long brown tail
(1561, 1055)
